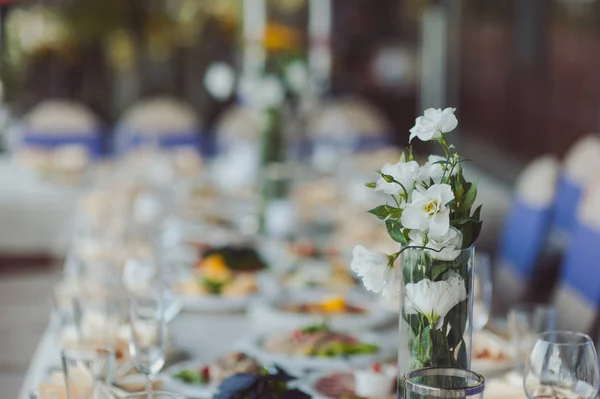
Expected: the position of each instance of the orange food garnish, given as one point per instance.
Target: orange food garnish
(334, 305)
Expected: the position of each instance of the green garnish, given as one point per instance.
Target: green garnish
(213, 287)
(315, 328)
(336, 349)
(191, 377)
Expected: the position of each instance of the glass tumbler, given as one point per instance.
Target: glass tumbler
(87, 372)
(442, 383)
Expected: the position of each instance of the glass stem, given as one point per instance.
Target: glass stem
(149, 386)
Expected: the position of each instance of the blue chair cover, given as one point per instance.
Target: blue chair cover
(363, 143)
(128, 140)
(568, 194)
(578, 296)
(581, 266)
(94, 142)
(523, 237)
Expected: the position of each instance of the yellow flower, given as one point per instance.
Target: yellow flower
(213, 268)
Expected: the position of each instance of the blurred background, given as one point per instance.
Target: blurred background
(523, 75)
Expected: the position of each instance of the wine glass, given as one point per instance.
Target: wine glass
(482, 291)
(147, 344)
(96, 319)
(525, 322)
(562, 364)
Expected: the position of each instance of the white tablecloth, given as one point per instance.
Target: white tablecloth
(203, 336)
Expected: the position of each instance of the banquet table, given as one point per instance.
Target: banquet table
(202, 336)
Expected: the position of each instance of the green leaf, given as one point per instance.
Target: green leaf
(469, 197)
(462, 357)
(477, 214)
(395, 231)
(381, 211)
(440, 268)
(371, 184)
(424, 345)
(461, 221)
(470, 232)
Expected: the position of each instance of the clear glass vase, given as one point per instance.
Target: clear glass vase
(437, 309)
(443, 383)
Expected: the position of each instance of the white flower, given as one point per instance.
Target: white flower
(434, 299)
(372, 267)
(403, 172)
(296, 76)
(433, 123)
(434, 169)
(451, 242)
(219, 80)
(427, 210)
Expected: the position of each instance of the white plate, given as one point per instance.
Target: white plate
(267, 285)
(252, 345)
(180, 387)
(492, 367)
(269, 315)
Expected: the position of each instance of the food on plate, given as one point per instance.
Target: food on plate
(335, 305)
(376, 381)
(319, 341)
(228, 271)
(237, 258)
(332, 274)
(234, 363)
(487, 346)
(341, 385)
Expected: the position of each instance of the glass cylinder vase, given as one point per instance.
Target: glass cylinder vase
(443, 383)
(437, 309)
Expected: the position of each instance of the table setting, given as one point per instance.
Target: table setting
(177, 288)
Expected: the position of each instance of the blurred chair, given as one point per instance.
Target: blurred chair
(526, 229)
(578, 294)
(581, 163)
(59, 138)
(238, 136)
(342, 127)
(166, 123)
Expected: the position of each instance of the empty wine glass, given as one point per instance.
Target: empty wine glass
(525, 322)
(562, 364)
(147, 345)
(482, 291)
(96, 319)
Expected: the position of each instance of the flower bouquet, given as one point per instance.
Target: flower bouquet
(430, 215)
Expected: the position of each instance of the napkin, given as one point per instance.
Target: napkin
(127, 380)
(498, 388)
(272, 385)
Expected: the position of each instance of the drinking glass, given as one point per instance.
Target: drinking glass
(482, 291)
(442, 383)
(563, 364)
(525, 323)
(147, 345)
(87, 371)
(97, 319)
(154, 395)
